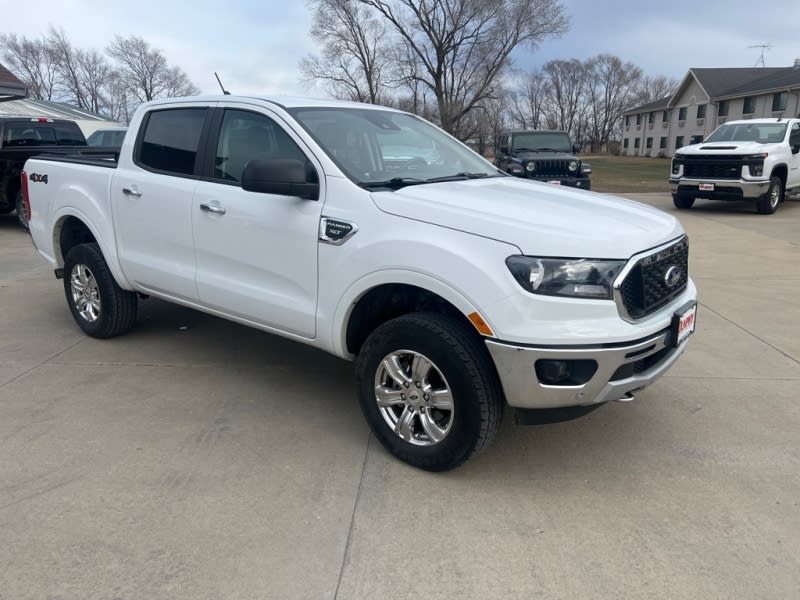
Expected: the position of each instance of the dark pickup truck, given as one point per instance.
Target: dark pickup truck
(22, 138)
(543, 155)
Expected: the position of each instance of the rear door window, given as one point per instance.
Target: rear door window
(171, 140)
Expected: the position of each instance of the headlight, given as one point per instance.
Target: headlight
(530, 166)
(757, 170)
(573, 165)
(576, 277)
(676, 168)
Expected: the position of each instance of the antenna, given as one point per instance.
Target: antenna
(224, 91)
(764, 48)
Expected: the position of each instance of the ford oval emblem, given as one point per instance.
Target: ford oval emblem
(673, 276)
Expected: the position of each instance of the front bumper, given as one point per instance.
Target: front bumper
(583, 183)
(724, 189)
(621, 369)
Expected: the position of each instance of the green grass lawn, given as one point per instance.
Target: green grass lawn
(628, 173)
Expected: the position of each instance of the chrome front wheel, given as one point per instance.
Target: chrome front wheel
(414, 398)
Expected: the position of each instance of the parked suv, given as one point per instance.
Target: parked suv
(547, 156)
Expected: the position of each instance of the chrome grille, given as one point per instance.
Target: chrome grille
(644, 289)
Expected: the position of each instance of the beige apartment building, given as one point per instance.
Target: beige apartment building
(705, 99)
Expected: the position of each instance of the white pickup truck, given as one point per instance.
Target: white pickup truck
(373, 235)
(753, 159)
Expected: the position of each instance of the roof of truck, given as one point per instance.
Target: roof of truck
(282, 101)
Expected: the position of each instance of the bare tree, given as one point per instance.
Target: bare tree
(610, 86)
(355, 58)
(528, 103)
(566, 104)
(35, 63)
(145, 73)
(650, 89)
(459, 49)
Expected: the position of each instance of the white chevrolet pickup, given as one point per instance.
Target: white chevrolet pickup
(373, 235)
(753, 159)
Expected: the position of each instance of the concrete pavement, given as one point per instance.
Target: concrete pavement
(195, 458)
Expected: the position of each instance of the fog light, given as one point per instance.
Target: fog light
(565, 372)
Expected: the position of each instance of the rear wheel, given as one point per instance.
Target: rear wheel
(101, 308)
(682, 200)
(22, 211)
(428, 390)
(768, 203)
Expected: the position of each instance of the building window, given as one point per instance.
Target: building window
(625, 143)
(679, 142)
(636, 143)
(663, 143)
(651, 118)
(722, 109)
(682, 114)
(649, 142)
(696, 139)
(627, 120)
(638, 119)
(779, 101)
(749, 105)
(701, 111)
(665, 116)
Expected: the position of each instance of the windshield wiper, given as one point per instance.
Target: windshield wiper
(393, 184)
(459, 177)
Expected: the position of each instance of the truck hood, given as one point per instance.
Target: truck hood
(726, 148)
(543, 156)
(540, 219)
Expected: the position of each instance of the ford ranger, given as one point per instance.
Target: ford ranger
(373, 235)
(753, 159)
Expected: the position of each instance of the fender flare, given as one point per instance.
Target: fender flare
(109, 250)
(348, 301)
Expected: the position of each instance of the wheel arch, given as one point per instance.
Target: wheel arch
(70, 228)
(781, 170)
(379, 297)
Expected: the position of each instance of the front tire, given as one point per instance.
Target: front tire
(682, 200)
(768, 203)
(101, 308)
(428, 390)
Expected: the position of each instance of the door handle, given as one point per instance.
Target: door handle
(131, 191)
(212, 207)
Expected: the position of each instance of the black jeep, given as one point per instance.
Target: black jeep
(547, 156)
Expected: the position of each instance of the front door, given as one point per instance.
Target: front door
(256, 253)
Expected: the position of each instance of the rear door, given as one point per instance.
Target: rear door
(793, 179)
(256, 252)
(152, 201)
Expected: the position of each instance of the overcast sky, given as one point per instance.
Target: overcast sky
(255, 44)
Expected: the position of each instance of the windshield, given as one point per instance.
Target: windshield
(554, 141)
(381, 147)
(762, 133)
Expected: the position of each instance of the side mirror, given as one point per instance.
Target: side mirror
(503, 149)
(281, 176)
(794, 142)
(575, 148)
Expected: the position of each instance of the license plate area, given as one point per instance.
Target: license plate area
(683, 323)
(554, 182)
(706, 187)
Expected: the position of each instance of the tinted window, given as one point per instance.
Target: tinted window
(32, 133)
(246, 136)
(171, 140)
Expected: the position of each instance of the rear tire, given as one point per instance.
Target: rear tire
(99, 306)
(682, 200)
(22, 211)
(428, 390)
(768, 203)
